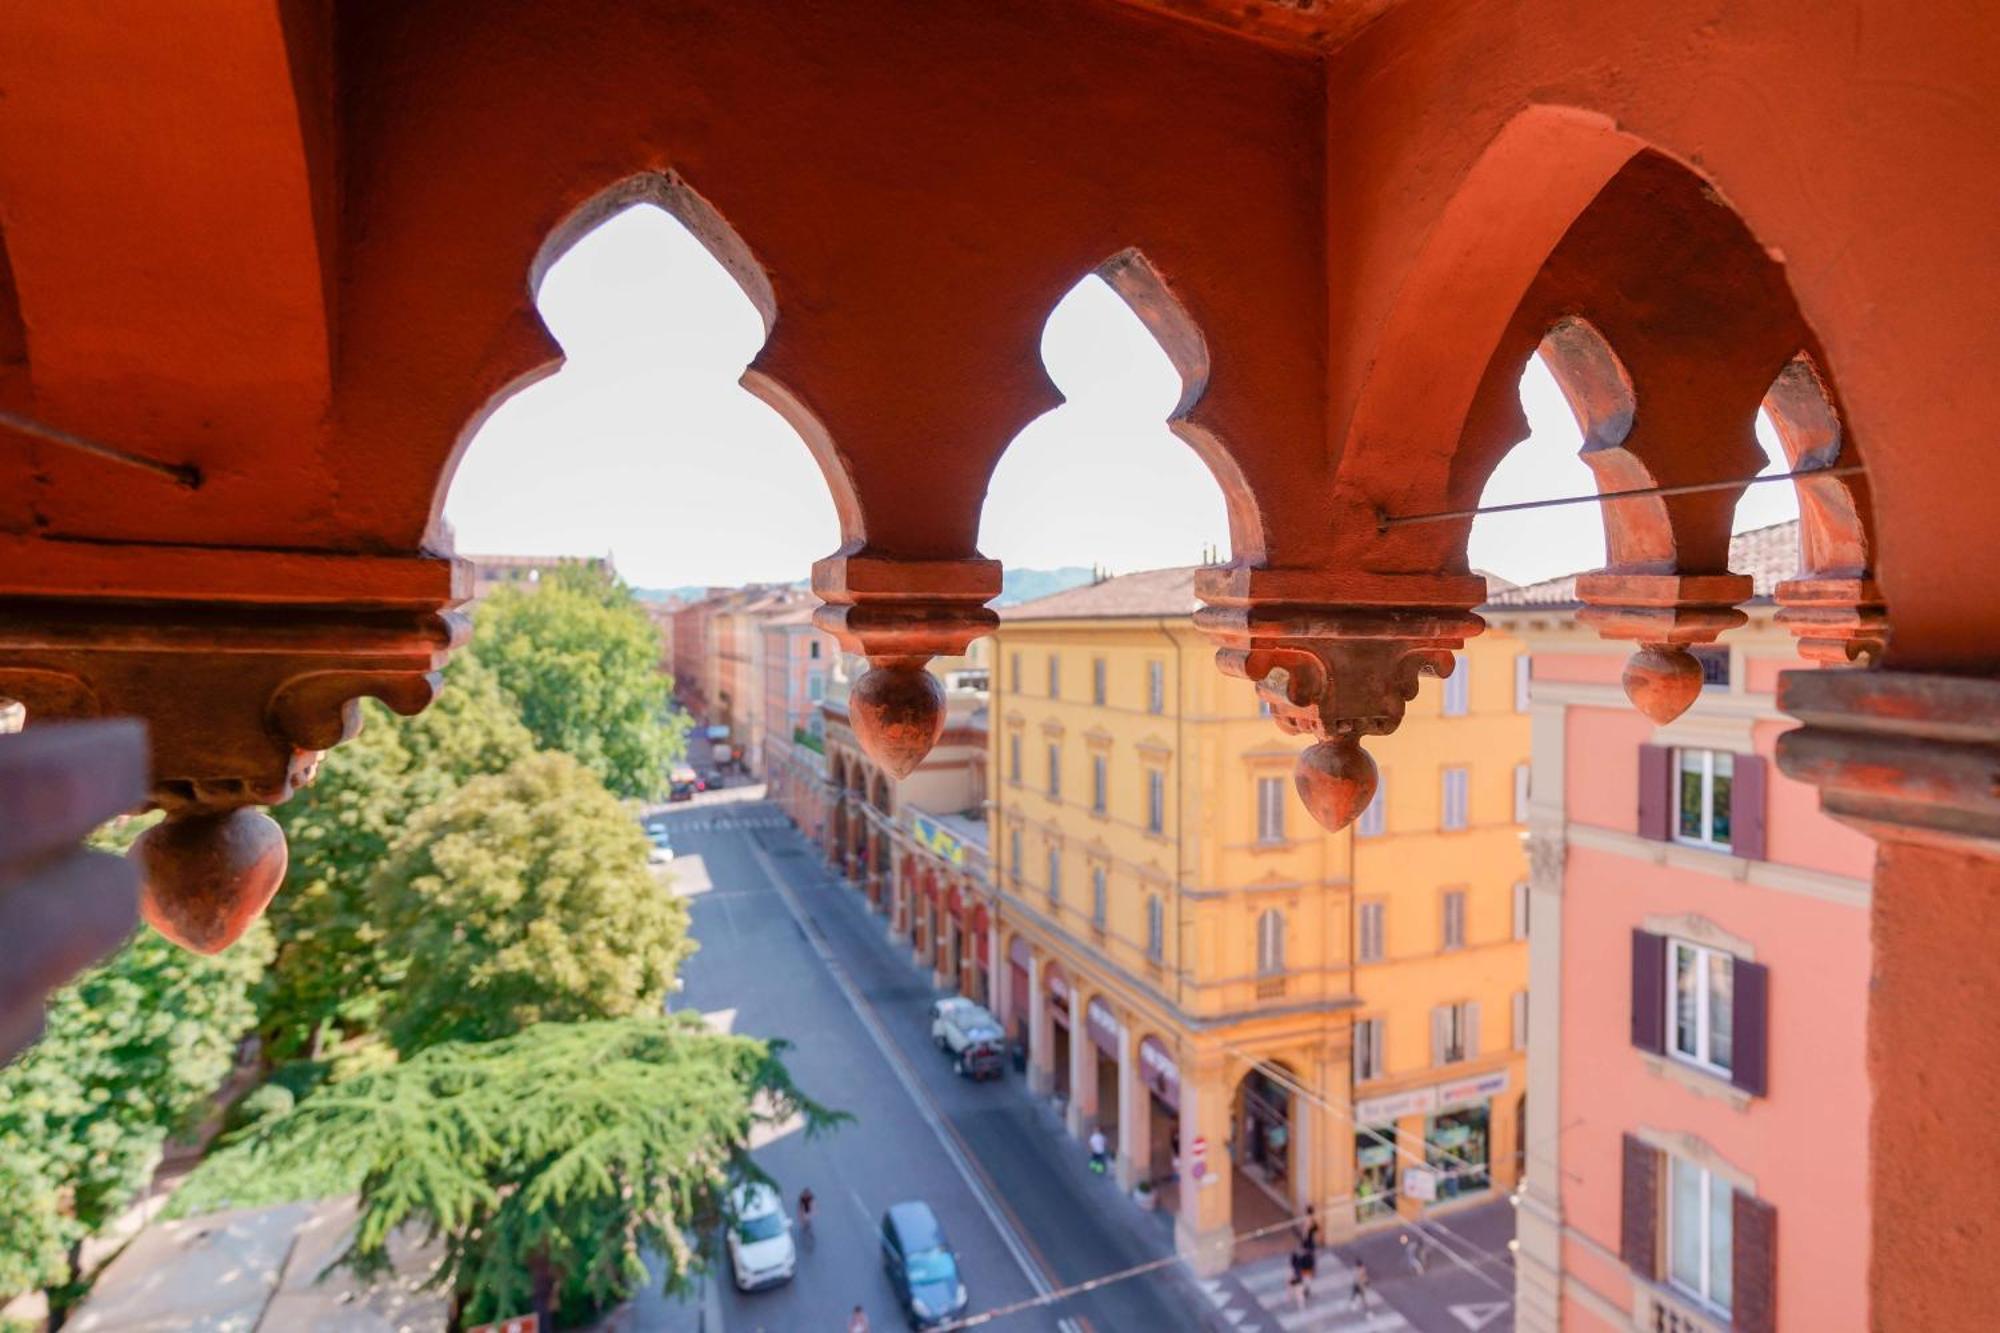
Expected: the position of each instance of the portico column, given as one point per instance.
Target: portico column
(942, 975)
(1911, 760)
(1135, 1114)
(1082, 1113)
(1202, 1233)
(1330, 1168)
(1041, 1043)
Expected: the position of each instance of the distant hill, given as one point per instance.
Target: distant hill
(1024, 585)
(1017, 585)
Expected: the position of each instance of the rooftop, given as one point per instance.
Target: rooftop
(1768, 555)
(1149, 593)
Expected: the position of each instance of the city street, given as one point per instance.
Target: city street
(1038, 1221)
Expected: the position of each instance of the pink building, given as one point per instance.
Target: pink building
(1698, 1096)
(796, 661)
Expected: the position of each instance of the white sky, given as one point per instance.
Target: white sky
(646, 448)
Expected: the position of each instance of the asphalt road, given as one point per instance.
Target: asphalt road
(788, 953)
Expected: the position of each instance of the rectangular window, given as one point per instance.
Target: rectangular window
(1520, 1020)
(1014, 760)
(1375, 819)
(1270, 809)
(1100, 783)
(1367, 1049)
(1014, 855)
(1454, 919)
(1098, 895)
(816, 687)
(1454, 1033)
(1097, 677)
(1702, 817)
(1270, 942)
(1156, 801)
(1714, 659)
(1055, 772)
(1523, 788)
(1524, 675)
(1521, 910)
(1701, 997)
(1055, 676)
(1456, 786)
(1156, 928)
(1156, 687)
(1014, 672)
(1055, 875)
(1458, 687)
(812, 649)
(1700, 1219)
(1369, 934)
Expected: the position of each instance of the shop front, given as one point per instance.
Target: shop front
(1375, 1172)
(1059, 1034)
(1458, 1138)
(1105, 1031)
(1264, 1133)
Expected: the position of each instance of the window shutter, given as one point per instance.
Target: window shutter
(1649, 992)
(1437, 1036)
(1639, 1210)
(1656, 792)
(1750, 1027)
(1472, 1030)
(1747, 800)
(1753, 1305)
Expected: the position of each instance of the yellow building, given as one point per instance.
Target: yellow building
(1223, 987)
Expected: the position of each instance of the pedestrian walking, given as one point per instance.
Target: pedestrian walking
(1099, 1151)
(1358, 1297)
(1309, 1260)
(1309, 1230)
(858, 1321)
(1297, 1282)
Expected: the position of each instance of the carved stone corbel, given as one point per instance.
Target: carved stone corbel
(1336, 671)
(1664, 613)
(899, 614)
(242, 684)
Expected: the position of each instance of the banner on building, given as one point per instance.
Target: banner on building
(934, 838)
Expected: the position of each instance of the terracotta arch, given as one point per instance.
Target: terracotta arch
(527, 353)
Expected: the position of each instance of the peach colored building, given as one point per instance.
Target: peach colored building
(797, 659)
(1698, 1097)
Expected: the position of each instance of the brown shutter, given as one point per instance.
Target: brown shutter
(1753, 1297)
(1750, 1027)
(1649, 992)
(1747, 799)
(1656, 793)
(1639, 1210)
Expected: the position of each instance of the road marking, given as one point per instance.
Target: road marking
(1478, 1314)
(1015, 1243)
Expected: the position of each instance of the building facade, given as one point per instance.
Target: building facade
(1261, 1014)
(797, 660)
(1698, 1121)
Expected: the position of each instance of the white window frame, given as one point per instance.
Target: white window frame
(1156, 800)
(1524, 676)
(1455, 798)
(1371, 933)
(1374, 820)
(1458, 688)
(1100, 783)
(1367, 1049)
(1270, 943)
(1707, 837)
(1524, 790)
(1521, 909)
(1453, 911)
(1456, 1032)
(1702, 1057)
(1156, 686)
(1703, 1289)
(1270, 810)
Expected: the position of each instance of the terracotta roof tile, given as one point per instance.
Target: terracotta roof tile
(1152, 592)
(1768, 555)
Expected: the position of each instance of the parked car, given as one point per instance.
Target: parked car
(970, 1036)
(761, 1252)
(921, 1265)
(682, 784)
(662, 850)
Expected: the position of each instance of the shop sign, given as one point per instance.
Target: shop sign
(936, 839)
(1420, 1183)
(1469, 1090)
(1105, 1029)
(1161, 1074)
(1380, 1110)
(1375, 1154)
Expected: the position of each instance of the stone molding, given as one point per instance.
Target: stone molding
(1821, 884)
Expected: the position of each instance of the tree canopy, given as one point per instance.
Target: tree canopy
(132, 1052)
(524, 897)
(547, 1161)
(326, 978)
(582, 661)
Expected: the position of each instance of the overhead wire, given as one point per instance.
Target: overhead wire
(1384, 521)
(182, 474)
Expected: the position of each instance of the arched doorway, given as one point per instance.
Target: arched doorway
(1160, 1071)
(1264, 1128)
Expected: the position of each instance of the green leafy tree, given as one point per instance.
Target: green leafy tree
(133, 1052)
(582, 660)
(547, 1162)
(525, 897)
(326, 981)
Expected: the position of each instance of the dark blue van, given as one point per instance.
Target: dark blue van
(921, 1265)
